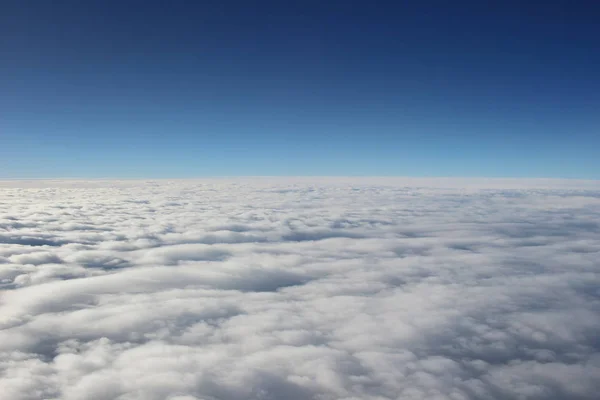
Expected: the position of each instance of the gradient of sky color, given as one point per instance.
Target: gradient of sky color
(152, 89)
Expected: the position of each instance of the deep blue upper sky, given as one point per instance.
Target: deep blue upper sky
(210, 88)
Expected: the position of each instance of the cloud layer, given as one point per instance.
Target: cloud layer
(300, 289)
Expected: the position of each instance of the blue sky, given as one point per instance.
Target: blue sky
(149, 89)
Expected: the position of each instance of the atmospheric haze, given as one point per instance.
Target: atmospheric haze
(236, 289)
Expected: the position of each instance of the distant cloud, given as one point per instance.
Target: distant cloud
(300, 289)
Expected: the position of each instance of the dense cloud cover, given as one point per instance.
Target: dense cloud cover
(300, 289)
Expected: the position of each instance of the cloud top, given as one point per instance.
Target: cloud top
(300, 289)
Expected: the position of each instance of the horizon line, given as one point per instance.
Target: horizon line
(108, 178)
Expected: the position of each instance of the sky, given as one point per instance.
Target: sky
(155, 89)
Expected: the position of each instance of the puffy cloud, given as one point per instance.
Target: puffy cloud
(300, 289)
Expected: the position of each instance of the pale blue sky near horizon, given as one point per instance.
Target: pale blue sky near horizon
(132, 89)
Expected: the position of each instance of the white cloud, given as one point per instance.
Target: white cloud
(298, 288)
